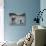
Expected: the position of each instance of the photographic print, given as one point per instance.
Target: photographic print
(17, 19)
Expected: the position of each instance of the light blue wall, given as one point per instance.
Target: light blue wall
(30, 7)
(43, 6)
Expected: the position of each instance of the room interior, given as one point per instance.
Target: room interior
(18, 34)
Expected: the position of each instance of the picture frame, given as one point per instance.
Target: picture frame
(16, 19)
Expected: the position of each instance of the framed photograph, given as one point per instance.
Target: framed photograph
(17, 19)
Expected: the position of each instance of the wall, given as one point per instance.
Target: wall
(30, 7)
(43, 6)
